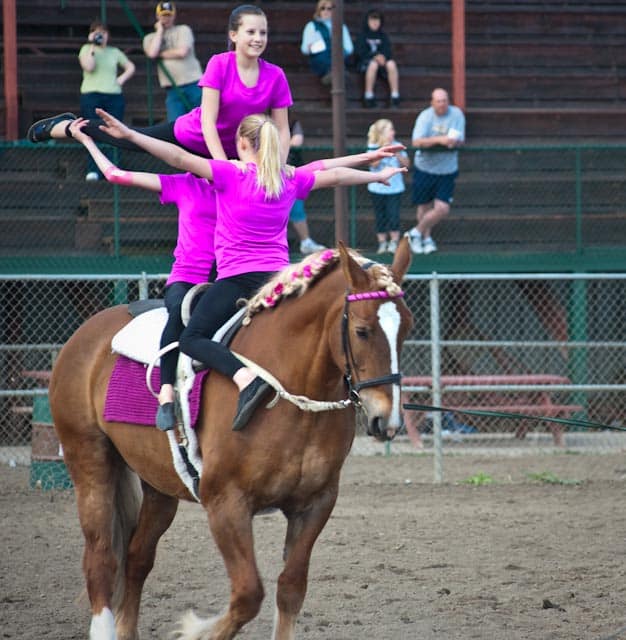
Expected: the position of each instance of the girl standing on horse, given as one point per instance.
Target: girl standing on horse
(235, 84)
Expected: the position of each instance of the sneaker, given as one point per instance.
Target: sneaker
(310, 246)
(382, 248)
(415, 240)
(392, 245)
(394, 103)
(428, 245)
(249, 399)
(166, 417)
(92, 176)
(40, 130)
(369, 103)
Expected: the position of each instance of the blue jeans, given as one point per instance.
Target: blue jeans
(114, 103)
(174, 104)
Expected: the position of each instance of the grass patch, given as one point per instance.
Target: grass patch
(547, 477)
(478, 479)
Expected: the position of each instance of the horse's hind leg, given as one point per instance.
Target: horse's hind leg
(302, 531)
(155, 517)
(100, 478)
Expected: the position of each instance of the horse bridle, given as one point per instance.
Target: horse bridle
(352, 386)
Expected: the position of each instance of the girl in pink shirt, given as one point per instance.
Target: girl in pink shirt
(254, 198)
(194, 255)
(235, 84)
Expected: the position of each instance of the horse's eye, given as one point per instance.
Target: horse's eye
(362, 332)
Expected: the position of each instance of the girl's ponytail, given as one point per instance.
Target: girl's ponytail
(263, 135)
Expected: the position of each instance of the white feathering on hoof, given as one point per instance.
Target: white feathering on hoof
(192, 627)
(102, 626)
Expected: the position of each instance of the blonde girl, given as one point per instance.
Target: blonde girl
(386, 198)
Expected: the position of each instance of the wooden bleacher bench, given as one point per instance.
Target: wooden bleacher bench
(533, 397)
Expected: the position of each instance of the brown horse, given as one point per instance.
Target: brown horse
(330, 329)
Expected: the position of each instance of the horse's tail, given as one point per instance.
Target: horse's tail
(127, 503)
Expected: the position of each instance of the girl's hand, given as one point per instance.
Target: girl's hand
(385, 175)
(391, 149)
(113, 126)
(385, 151)
(76, 129)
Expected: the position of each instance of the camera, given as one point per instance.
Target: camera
(98, 38)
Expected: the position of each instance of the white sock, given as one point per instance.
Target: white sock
(369, 94)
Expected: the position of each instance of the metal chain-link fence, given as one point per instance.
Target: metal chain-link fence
(518, 199)
(541, 345)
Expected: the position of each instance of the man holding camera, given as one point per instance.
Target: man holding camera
(179, 69)
(102, 86)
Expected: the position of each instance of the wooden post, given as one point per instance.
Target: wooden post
(458, 53)
(338, 92)
(9, 17)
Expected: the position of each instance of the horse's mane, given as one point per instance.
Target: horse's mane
(296, 279)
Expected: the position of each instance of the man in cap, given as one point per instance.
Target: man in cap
(179, 69)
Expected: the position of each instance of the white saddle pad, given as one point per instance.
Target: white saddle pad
(140, 338)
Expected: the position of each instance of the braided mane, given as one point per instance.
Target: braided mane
(296, 279)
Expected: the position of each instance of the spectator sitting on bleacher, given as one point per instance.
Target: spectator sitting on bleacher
(173, 45)
(316, 41)
(102, 86)
(374, 58)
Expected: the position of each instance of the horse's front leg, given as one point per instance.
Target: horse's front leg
(302, 531)
(155, 517)
(231, 525)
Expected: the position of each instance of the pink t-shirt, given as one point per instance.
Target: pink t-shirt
(251, 232)
(236, 101)
(194, 254)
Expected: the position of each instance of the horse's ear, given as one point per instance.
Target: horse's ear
(401, 260)
(356, 277)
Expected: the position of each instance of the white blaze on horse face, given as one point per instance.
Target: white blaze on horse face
(103, 626)
(389, 319)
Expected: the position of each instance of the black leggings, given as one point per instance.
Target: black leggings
(215, 307)
(162, 131)
(174, 326)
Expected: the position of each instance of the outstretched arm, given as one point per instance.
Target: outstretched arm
(359, 158)
(344, 176)
(150, 181)
(174, 155)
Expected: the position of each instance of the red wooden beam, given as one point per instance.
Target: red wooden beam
(9, 17)
(458, 53)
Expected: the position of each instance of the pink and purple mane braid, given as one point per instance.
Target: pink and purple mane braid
(297, 278)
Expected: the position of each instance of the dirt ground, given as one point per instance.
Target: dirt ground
(539, 553)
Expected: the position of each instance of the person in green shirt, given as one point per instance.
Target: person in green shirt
(102, 81)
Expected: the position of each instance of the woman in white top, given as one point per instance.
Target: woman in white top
(316, 40)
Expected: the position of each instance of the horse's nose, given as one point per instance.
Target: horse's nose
(383, 422)
(380, 428)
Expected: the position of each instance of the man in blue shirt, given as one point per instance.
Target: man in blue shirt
(439, 130)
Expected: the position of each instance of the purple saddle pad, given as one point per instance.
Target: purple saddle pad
(129, 400)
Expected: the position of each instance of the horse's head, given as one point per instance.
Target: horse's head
(375, 323)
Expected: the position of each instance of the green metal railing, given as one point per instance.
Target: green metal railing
(562, 204)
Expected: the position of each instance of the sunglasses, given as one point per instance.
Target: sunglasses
(329, 7)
